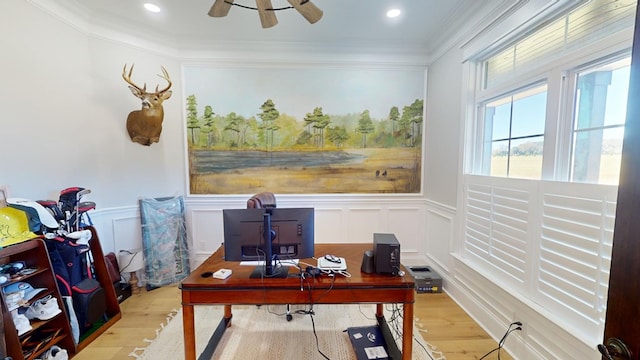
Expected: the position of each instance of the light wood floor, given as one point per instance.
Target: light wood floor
(448, 327)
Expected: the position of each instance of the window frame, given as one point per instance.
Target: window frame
(561, 78)
(572, 82)
(487, 151)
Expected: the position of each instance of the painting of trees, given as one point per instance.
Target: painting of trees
(271, 130)
(244, 149)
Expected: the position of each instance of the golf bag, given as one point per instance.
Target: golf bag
(73, 270)
(69, 246)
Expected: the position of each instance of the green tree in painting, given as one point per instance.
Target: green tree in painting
(234, 124)
(268, 116)
(304, 138)
(308, 122)
(415, 120)
(192, 116)
(337, 135)
(249, 126)
(365, 126)
(321, 122)
(404, 132)
(308, 134)
(209, 127)
(394, 116)
(318, 122)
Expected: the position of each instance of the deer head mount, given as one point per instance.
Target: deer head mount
(145, 125)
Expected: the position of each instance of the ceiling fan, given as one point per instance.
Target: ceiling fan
(266, 11)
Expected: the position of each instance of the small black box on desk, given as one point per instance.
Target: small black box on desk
(426, 280)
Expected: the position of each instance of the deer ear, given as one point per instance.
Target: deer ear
(165, 95)
(135, 91)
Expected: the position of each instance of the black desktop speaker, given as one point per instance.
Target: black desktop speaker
(367, 263)
(386, 253)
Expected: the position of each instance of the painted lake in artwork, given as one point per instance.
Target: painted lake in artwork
(314, 172)
(208, 161)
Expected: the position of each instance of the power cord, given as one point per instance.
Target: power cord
(510, 329)
(395, 326)
(313, 325)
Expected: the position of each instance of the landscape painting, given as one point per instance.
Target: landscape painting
(303, 130)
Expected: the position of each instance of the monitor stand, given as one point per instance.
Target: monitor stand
(269, 270)
(278, 272)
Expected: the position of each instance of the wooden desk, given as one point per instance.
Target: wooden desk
(239, 289)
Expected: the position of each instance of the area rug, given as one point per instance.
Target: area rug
(263, 332)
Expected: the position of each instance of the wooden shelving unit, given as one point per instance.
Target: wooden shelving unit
(31, 344)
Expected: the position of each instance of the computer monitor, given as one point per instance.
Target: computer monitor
(291, 236)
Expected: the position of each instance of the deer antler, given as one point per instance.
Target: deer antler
(127, 78)
(165, 75)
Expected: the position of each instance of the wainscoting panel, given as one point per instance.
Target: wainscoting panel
(363, 222)
(409, 227)
(439, 229)
(204, 229)
(352, 220)
(118, 228)
(333, 227)
(127, 233)
(332, 224)
(494, 308)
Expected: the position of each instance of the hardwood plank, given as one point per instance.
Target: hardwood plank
(447, 326)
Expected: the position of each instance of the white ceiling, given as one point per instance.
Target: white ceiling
(423, 27)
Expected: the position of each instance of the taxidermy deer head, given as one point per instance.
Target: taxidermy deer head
(145, 125)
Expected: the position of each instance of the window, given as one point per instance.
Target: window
(552, 104)
(598, 125)
(549, 107)
(514, 125)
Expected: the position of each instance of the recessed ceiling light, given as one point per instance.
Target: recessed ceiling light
(393, 13)
(152, 7)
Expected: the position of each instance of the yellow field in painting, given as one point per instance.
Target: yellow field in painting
(402, 166)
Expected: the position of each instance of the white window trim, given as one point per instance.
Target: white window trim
(558, 75)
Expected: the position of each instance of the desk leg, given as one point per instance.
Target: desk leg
(407, 331)
(188, 327)
(379, 310)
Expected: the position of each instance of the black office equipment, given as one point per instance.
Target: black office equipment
(386, 253)
(426, 280)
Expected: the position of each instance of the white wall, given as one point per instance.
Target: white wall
(63, 107)
(63, 110)
(443, 128)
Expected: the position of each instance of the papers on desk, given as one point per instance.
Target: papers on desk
(287, 262)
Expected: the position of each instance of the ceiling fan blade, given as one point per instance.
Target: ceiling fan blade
(220, 8)
(267, 17)
(310, 12)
